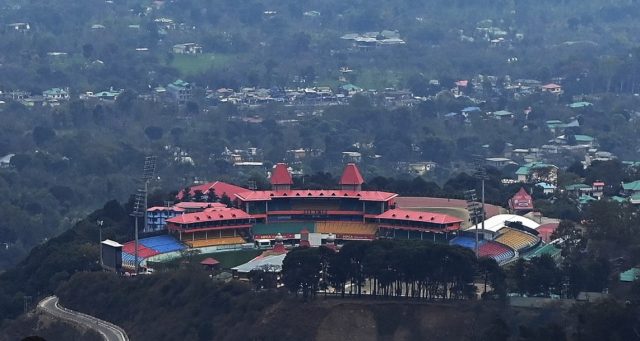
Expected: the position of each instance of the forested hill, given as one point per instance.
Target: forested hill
(72, 156)
(270, 42)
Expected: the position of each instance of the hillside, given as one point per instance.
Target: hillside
(188, 306)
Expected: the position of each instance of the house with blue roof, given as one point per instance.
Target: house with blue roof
(547, 188)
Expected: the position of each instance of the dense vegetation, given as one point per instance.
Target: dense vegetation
(390, 269)
(72, 157)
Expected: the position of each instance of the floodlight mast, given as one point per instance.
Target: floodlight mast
(472, 207)
(140, 203)
(481, 173)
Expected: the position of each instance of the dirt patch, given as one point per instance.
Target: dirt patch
(348, 322)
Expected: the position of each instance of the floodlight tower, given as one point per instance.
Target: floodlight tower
(138, 211)
(140, 201)
(481, 173)
(473, 208)
(147, 174)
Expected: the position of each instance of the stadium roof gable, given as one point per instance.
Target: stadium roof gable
(281, 175)
(218, 187)
(209, 216)
(351, 175)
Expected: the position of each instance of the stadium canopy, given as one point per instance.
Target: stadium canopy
(495, 223)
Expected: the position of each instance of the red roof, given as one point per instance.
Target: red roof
(351, 175)
(198, 205)
(546, 230)
(219, 187)
(281, 175)
(462, 83)
(436, 218)
(164, 208)
(598, 184)
(521, 200)
(208, 216)
(209, 261)
(305, 193)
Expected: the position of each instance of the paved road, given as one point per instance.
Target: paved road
(109, 331)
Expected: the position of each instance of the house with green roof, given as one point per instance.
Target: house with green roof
(585, 199)
(534, 172)
(350, 89)
(576, 190)
(180, 90)
(56, 94)
(630, 275)
(631, 187)
(578, 105)
(549, 249)
(503, 114)
(619, 199)
(583, 140)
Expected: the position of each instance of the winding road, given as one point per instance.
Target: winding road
(109, 331)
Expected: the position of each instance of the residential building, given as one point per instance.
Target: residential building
(157, 216)
(180, 90)
(349, 157)
(421, 168)
(536, 172)
(187, 48)
(56, 94)
(521, 202)
(547, 188)
(552, 88)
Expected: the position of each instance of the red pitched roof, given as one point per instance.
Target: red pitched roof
(209, 261)
(521, 200)
(164, 208)
(219, 187)
(436, 218)
(351, 175)
(198, 205)
(209, 216)
(304, 193)
(281, 175)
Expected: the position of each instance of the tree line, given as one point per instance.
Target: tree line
(391, 268)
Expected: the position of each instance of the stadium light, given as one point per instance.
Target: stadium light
(99, 223)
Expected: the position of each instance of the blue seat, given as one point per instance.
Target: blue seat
(162, 244)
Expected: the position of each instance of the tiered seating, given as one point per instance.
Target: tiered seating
(468, 242)
(501, 253)
(284, 227)
(341, 227)
(162, 244)
(216, 242)
(516, 239)
(143, 251)
(128, 259)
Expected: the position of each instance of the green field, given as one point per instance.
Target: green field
(228, 259)
(195, 64)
